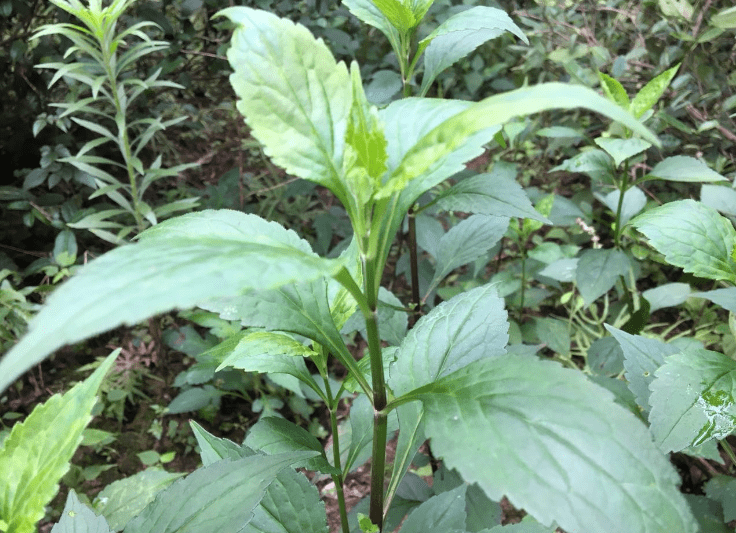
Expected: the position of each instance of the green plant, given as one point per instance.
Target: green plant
(105, 61)
(515, 425)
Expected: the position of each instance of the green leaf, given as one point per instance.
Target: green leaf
(726, 18)
(652, 91)
(667, 295)
(218, 497)
(36, 454)
(466, 242)
(622, 149)
(523, 527)
(459, 35)
(726, 297)
(634, 201)
(470, 326)
(685, 169)
(441, 513)
(275, 435)
(65, 248)
(212, 449)
(598, 270)
(178, 264)
(561, 449)
(495, 193)
(693, 399)
(369, 13)
(595, 163)
(300, 111)
(723, 489)
(78, 518)
(691, 236)
(719, 197)
(495, 111)
(397, 13)
(605, 357)
(642, 358)
(614, 90)
(125, 498)
(677, 8)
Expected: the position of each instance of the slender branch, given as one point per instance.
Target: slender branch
(337, 478)
(414, 265)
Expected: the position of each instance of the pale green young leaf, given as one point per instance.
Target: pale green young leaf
(634, 201)
(562, 449)
(652, 92)
(598, 270)
(459, 35)
(642, 358)
(726, 18)
(691, 236)
(125, 498)
(441, 513)
(36, 454)
(693, 399)
(219, 497)
(614, 90)
(293, 94)
(420, 8)
(369, 13)
(686, 169)
(489, 194)
(274, 435)
(622, 149)
(178, 264)
(291, 504)
(397, 13)
(466, 242)
(451, 134)
(265, 343)
(78, 518)
(470, 326)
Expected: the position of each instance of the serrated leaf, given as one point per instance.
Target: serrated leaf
(561, 448)
(634, 201)
(466, 242)
(470, 326)
(78, 518)
(622, 149)
(652, 91)
(36, 454)
(614, 90)
(180, 263)
(685, 169)
(691, 236)
(274, 435)
(293, 94)
(598, 271)
(693, 399)
(125, 498)
(495, 111)
(489, 194)
(459, 35)
(218, 497)
(441, 513)
(290, 494)
(642, 358)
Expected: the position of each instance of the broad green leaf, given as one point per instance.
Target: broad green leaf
(467, 241)
(392, 319)
(411, 437)
(369, 13)
(361, 433)
(691, 236)
(561, 270)
(441, 513)
(622, 149)
(723, 489)
(293, 94)
(470, 326)
(598, 271)
(708, 513)
(554, 333)
(667, 295)
(677, 8)
(595, 163)
(605, 357)
(555, 444)
(36, 454)
(489, 194)
(719, 197)
(78, 518)
(693, 399)
(726, 297)
(219, 497)
(182, 262)
(480, 511)
(291, 504)
(634, 201)
(686, 169)
(614, 90)
(497, 110)
(726, 18)
(420, 8)
(397, 13)
(523, 527)
(652, 91)
(459, 35)
(125, 498)
(642, 358)
(274, 435)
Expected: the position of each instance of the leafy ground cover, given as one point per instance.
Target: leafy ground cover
(593, 275)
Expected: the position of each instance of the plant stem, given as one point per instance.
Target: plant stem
(337, 479)
(729, 451)
(414, 267)
(622, 191)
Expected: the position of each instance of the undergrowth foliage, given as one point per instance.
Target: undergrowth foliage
(504, 422)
